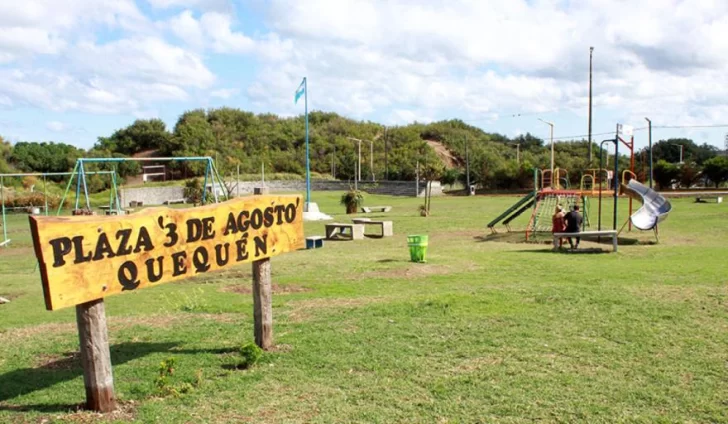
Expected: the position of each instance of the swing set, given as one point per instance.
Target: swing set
(79, 175)
(44, 176)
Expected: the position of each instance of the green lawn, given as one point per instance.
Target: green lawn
(486, 331)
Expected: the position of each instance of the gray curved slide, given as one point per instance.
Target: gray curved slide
(654, 207)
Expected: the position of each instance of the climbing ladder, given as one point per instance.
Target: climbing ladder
(545, 207)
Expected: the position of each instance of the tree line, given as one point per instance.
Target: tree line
(244, 141)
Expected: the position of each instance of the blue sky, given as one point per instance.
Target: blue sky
(75, 70)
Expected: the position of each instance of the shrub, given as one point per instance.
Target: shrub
(352, 199)
(250, 354)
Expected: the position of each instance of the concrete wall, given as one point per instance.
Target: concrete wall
(150, 195)
(158, 195)
(392, 188)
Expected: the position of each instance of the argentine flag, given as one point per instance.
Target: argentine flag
(300, 91)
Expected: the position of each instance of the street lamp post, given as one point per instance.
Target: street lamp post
(649, 132)
(681, 152)
(550, 124)
(357, 171)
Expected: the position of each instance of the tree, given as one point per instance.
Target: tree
(689, 174)
(665, 173)
(5, 150)
(450, 177)
(44, 157)
(716, 170)
(143, 134)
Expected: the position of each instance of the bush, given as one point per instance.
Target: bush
(352, 199)
(193, 191)
(250, 354)
(29, 182)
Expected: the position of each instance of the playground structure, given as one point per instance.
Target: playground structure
(553, 188)
(79, 176)
(79, 170)
(113, 195)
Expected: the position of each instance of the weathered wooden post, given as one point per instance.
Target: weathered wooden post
(262, 296)
(95, 356)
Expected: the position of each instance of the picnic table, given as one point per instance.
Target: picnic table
(385, 227)
(342, 231)
(370, 209)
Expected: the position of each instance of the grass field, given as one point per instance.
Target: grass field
(486, 331)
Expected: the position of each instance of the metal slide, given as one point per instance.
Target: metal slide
(654, 207)
(525, 199)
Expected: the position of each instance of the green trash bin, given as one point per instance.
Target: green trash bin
(418, 248)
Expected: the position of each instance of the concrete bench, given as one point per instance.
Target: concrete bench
(173, 201)
(339, 231)
(370, 209)
(703, 199)
(314, 242)
(585, 234)
(384, 226)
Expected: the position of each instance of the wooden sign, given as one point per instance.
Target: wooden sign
(84, 258)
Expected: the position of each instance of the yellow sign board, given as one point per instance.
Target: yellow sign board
(84, 258)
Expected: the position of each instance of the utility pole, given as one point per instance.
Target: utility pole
(358, 172)
(371, 159)
(467, 166)
(386, 154)
(649, 126)
(589, 151)
(518, 153)
(333, 162)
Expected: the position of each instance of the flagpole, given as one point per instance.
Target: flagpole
(308, 166)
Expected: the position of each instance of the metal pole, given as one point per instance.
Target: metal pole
(78, 185)
(552, 155)
(589, 151)
(616, 179)
(2, 200)
(518, 154)
(308, 166)
(386, 154)
(358, 172)
(649, 132)
(68, 187)
(45, 195)
(204, 184)
(85, 187)
(467, 167)
(371, 159)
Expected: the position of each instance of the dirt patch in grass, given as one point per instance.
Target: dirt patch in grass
(277, 289)
(679, 293)
(17, 251)
(303, 310)
(62, 362)
(117, 323)
(411, 271)
(124, 412)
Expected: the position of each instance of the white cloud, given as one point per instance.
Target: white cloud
(147, 59)
(224, 40)
(57, 126)
(225, 93)
(187, 28)
(222, 5)
(475, 59)
(213, 30)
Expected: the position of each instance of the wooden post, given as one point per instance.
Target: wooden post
(95, 356)
(262, 297)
